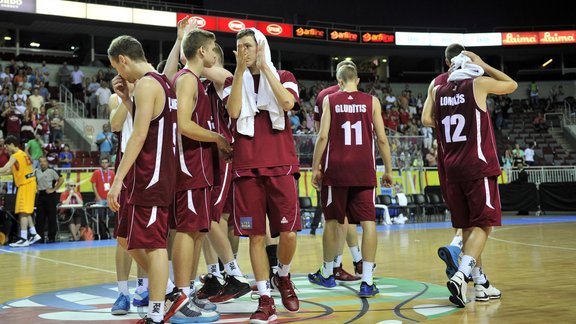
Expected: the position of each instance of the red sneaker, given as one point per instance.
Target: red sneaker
(358, 266)
(173, 302)
(341, 275)
(286, 288)
(266, 311)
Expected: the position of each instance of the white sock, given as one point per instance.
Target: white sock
(156, 310)
(356, 254)
(466, 265)
(185, 290)
(478, 276)
(232, 268)
(142, 284)
(170, 270)
(123, 287)
(214, 269)
(32, 230)
(283, 269)
(338, 261)
(327, 269)
(169, 287)
(457, 241)
(367, 269)
(24, 234)
(192, 287)
(263, 288)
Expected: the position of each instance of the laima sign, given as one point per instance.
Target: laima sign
(535, 38)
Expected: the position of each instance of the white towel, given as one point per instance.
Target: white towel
(252, 103)
(462, 68)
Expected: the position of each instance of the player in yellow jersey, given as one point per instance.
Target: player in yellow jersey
(20, 165)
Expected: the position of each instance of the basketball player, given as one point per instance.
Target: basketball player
(121, 124)
(348, 232)
(450, 254)
(464, 131)
(20, 165)
(150, 158)
(344, 170)
(265, 165)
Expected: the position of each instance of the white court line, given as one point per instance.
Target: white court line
(62, 262)
(526, 244)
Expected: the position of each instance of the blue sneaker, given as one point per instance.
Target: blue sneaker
(317, 279)
(450, 254)
(141, 299)
(121, 305)
(368, 291)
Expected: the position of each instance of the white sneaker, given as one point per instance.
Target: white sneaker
(35, 238)
(458, 286)
(485, 294)
(20, 243)
(191, 313)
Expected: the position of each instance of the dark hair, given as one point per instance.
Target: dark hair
(11, 139)
(453, 50)
(194, 40)
(127, 46)
(246, 32)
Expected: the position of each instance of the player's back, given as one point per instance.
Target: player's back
(154, 169)
(465, 132)
(320, 99)
(349, 158)
(22, 170)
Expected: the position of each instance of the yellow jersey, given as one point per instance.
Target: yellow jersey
(22, 169)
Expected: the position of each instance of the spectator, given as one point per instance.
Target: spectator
(13, 67)
(91, 100)
(539, 123)
(20, 106)
(4, 154)
(529, 155)
(45, 74)
(36, 100)
(533, 90)
(56, 125)
(72, 197)
(34, 149)
(77, 86)
(12, 121)
(19, 94)
(42, 124)
(105, 141)
(65, 157)
(102, 179)
(431, 158)
(26, 128)
(427, 132)
(43, 91)
(102, 95)
(52, 152)
(294, 121)
(20, 78)
(507, 159)
(4, 96)
(518, 156)
(64, 75)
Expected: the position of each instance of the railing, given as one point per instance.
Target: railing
(73, 108)
(539, 175)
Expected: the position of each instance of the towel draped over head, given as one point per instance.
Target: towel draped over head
(462, 68)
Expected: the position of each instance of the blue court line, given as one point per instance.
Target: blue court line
(380, 228)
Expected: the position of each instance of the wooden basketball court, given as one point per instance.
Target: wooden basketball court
(530, 259)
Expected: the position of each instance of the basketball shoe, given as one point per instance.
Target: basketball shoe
(286, 288)
(234, 287)
(486, 292)
(191, 313)
(22, 242)
(450, 254)
(173, 302)
(121, 305)
(317, 279)
(341, 275)
(457, 286)
(266, 311)
(368, 291)
(212, 285)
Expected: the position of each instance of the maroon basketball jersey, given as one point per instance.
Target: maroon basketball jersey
(221, 121)
(441, 80)
(195, 168)
(154, 175)
(349, 157)
(118, 150)
(269, 147)
(465, 132)
(320, 99)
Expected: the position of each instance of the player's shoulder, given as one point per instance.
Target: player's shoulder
(286, 75)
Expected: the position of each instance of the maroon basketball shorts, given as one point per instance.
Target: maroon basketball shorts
(219, 194)
(475, 203)
(193, 210)
(256, 197)
(355, 202)
(147, 227)
(121, 228)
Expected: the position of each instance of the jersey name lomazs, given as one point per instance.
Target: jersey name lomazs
(350, 108)
(452, 101)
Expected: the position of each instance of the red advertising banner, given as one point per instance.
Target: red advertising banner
(344, 36)
(233, 25)
(203, 22)
(309, 32)
(557, 37)
(275, 29)
(369, 37)
(520, 38)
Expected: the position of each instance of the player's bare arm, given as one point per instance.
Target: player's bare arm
(283, 96)
(321, 143)
(118, 113)
(149, 97)
(7, 168)
(187, 94)
(234, 103)
(428, 109)
(218, 75)
(184, 26)
(382, 142)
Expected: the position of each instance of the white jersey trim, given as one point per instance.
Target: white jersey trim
(159, 141)
(479, 137)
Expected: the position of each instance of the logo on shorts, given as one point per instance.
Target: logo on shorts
(246, 222)
(284, 221)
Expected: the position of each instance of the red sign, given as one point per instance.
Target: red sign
(203, 22)
(308, 32)
(233, 25)
(557, 37)
(275, 29)
(377, 38)
(514, 38)
(345, 36)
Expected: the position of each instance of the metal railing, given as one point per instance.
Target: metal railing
(73, 108)
(539, 175)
